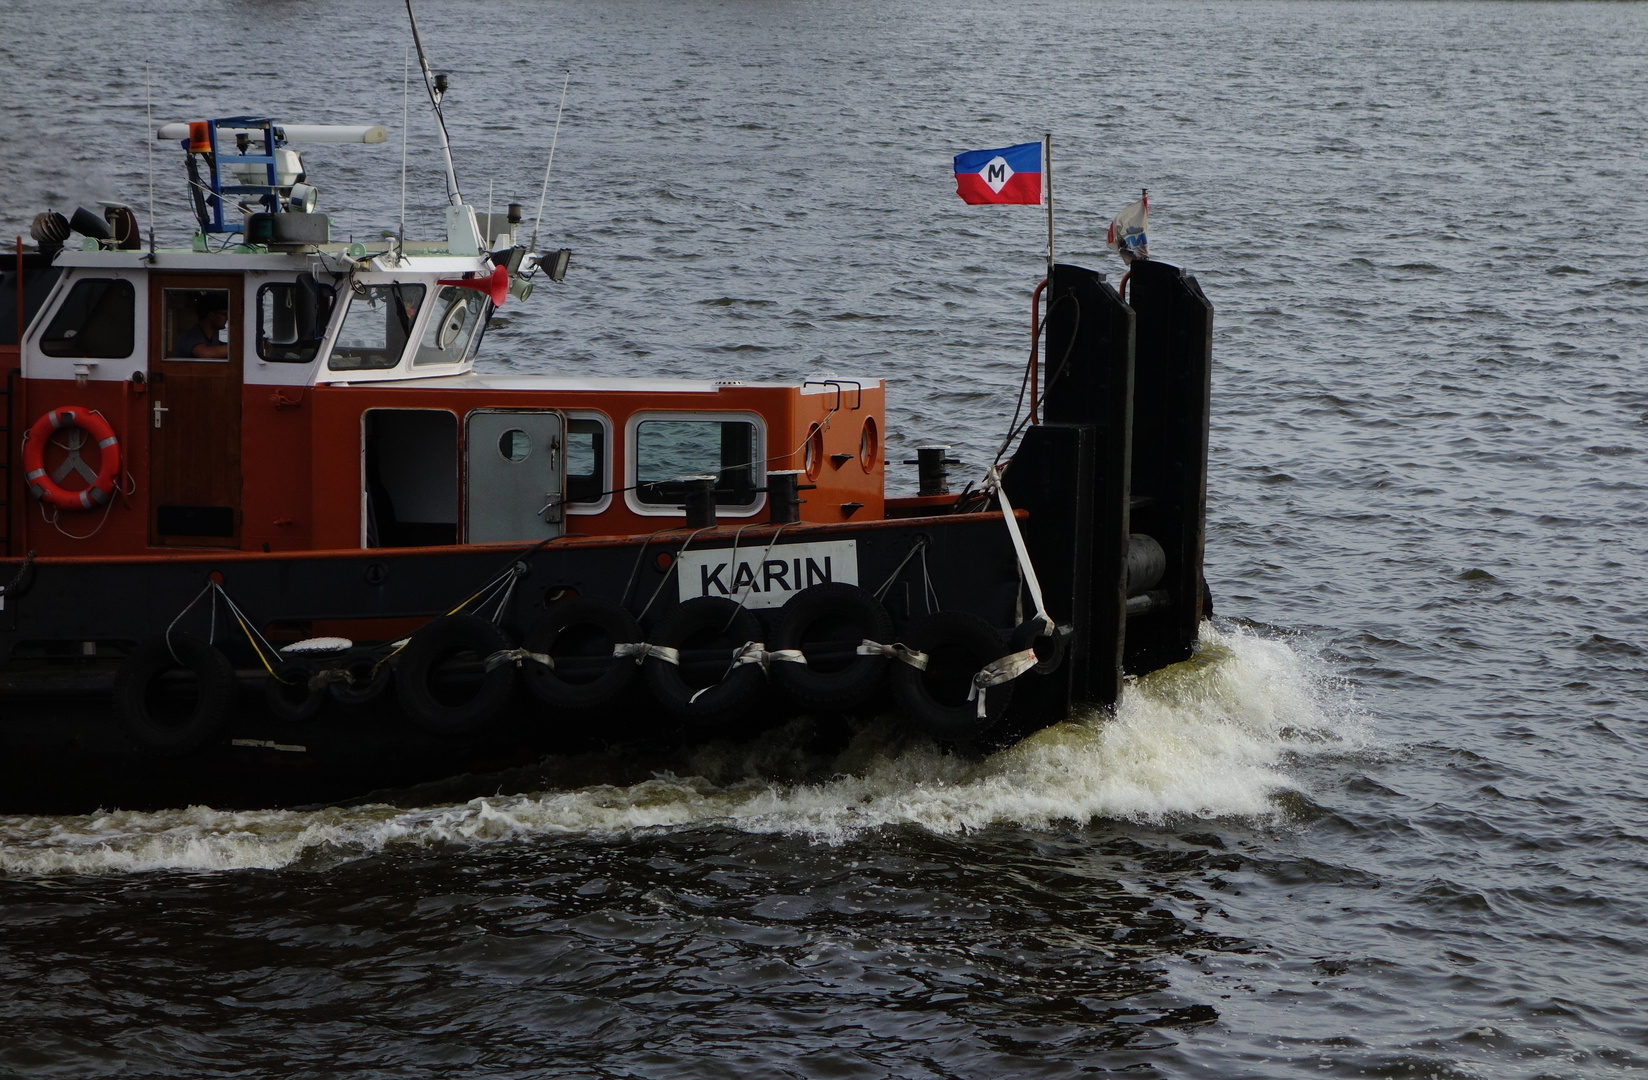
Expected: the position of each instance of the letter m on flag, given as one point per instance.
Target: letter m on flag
(1011, 174)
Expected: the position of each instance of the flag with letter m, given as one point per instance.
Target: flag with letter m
(1009, 175)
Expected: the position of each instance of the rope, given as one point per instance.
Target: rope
(670, 572)
(11, 586)
(764, 555)
(919, 544)
(635, 571)
(184, 612)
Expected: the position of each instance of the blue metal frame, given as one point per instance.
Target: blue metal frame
(273, 140)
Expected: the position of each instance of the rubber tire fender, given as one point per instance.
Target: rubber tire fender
(706, 623)
(286, 693)
(1050, 647)
(436, 642)
(216, 690)
(958, 644)
(611, 625)
(841, 612)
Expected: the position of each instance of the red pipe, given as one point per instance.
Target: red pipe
(19, 301)
(1035, 340)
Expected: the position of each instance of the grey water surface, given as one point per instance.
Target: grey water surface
(1391, 822)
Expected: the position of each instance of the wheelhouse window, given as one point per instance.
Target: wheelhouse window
(454, 333)
(96, 320)
(586, 461)
(668, 452)
(376, 327)
(292, 319)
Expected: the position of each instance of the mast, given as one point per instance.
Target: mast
(452, 193)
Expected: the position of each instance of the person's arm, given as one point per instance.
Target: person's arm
(207, 351)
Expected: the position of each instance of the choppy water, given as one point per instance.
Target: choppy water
(1391, 823)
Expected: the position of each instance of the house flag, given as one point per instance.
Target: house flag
(1128, 235)
(1011, 174)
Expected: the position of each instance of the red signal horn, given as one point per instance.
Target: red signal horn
(495, 285)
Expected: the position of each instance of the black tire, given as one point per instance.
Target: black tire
(441, 678)
(1050, 647)
(826, 623)
(369, 677)
(934, 701)
(173, 698)
(708, 631)
(578, 633)
(286, 694)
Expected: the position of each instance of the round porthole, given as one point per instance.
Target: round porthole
(514, 445)
(812, 455)
(869, 444)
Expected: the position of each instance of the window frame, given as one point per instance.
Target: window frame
(632, 427)
(257, 321)
(70, 287)
(435, 313)
(413, 334)
(604, 462)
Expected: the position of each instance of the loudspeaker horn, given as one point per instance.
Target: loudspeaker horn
(495, 285)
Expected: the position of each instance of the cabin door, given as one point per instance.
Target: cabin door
(514, 475)
(196, 334)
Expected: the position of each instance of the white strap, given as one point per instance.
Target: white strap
(993, 480)
(642, 650)
(753, 652)
(515, 656)
(1000, 671)
(913, 657)
(789, 656)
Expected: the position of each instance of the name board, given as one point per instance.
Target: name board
(765, 579)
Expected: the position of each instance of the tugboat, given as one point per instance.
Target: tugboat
(267, 538)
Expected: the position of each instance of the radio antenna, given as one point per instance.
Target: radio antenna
(406, 107)
(452, 193)
(148, 105)
(552, 141)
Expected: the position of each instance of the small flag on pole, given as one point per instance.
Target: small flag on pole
(1011, 174)
(1128, 234)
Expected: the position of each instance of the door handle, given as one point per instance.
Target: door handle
(158, 410)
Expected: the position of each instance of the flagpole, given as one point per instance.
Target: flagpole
(1047, 153)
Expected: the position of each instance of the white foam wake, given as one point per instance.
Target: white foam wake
(1213, 737)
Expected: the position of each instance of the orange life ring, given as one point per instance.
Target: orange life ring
(108, 465)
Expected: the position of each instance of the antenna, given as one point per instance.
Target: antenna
(552, 141)
(487, 239)
(406, 106)
(148, 104)
(452, 192)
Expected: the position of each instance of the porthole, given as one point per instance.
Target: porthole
(812, 455)
(514, 445)
(869, 445)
